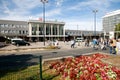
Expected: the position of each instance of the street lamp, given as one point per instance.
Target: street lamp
(95, 11)
(44, 1)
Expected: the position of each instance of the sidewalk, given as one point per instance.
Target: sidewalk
(36, 46)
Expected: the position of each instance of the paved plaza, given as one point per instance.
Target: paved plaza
(38, 46)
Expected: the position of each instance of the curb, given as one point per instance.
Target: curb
(58, 58)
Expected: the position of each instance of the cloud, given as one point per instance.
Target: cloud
(4, 7)
(27, 4)
(53, 12)
(21, 9)
(92, 4)
(59, 2)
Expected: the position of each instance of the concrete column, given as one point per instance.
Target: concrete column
(30, 29)
(51, 29)
(64, 33)
(37, 29)
(58, 30)
(37, 32)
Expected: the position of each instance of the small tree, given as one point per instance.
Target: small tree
(117, 29)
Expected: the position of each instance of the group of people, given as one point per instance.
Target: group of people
(112, 44)
(55, 42)
(102, 43)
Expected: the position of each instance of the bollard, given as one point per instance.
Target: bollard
(40, 61)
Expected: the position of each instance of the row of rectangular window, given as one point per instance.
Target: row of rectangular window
(13, 31)
(13, 26)
(79, 32)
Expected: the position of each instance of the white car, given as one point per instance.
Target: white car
(79, 40)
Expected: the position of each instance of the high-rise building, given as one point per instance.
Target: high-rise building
(110, 20)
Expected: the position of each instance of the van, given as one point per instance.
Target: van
(79, 39)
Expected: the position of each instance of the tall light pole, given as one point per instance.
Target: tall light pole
(77, 31)
(44, 1)
(95, 11)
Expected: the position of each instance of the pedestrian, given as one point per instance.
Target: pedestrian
(118, 46)
(114, 46)
(88, 42)
(56, 43)
(85, 42)
(103, 44)
(72, 43)
(95, 43)
(110, 46)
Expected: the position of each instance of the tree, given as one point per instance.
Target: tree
(117, 30)
(117, 27)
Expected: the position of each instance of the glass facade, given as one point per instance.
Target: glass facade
(48, 29)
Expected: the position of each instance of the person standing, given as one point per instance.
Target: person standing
(110, 46)
(114, 46)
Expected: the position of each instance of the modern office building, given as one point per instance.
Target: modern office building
(110, 20)
(32, 29)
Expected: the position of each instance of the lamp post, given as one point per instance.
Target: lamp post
(95, 11)
(44, 1)
(104, 33)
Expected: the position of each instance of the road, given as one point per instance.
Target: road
(70, 52)
(31, 58)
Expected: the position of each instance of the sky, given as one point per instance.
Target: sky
(77, 14)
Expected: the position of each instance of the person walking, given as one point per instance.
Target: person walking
(72, 43)
(95, 43)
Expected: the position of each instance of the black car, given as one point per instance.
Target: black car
(20, 42)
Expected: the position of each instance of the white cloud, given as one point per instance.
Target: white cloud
(93, 4)
(21, 9)
(5, 7)
(59, 2)
(53, 12)
(27, 4)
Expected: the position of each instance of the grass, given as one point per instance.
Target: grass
(30, 73)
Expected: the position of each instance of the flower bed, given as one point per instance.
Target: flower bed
(86, 68)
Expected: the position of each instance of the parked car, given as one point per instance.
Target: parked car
(20, 42)
(79, 40)
(15, 39)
